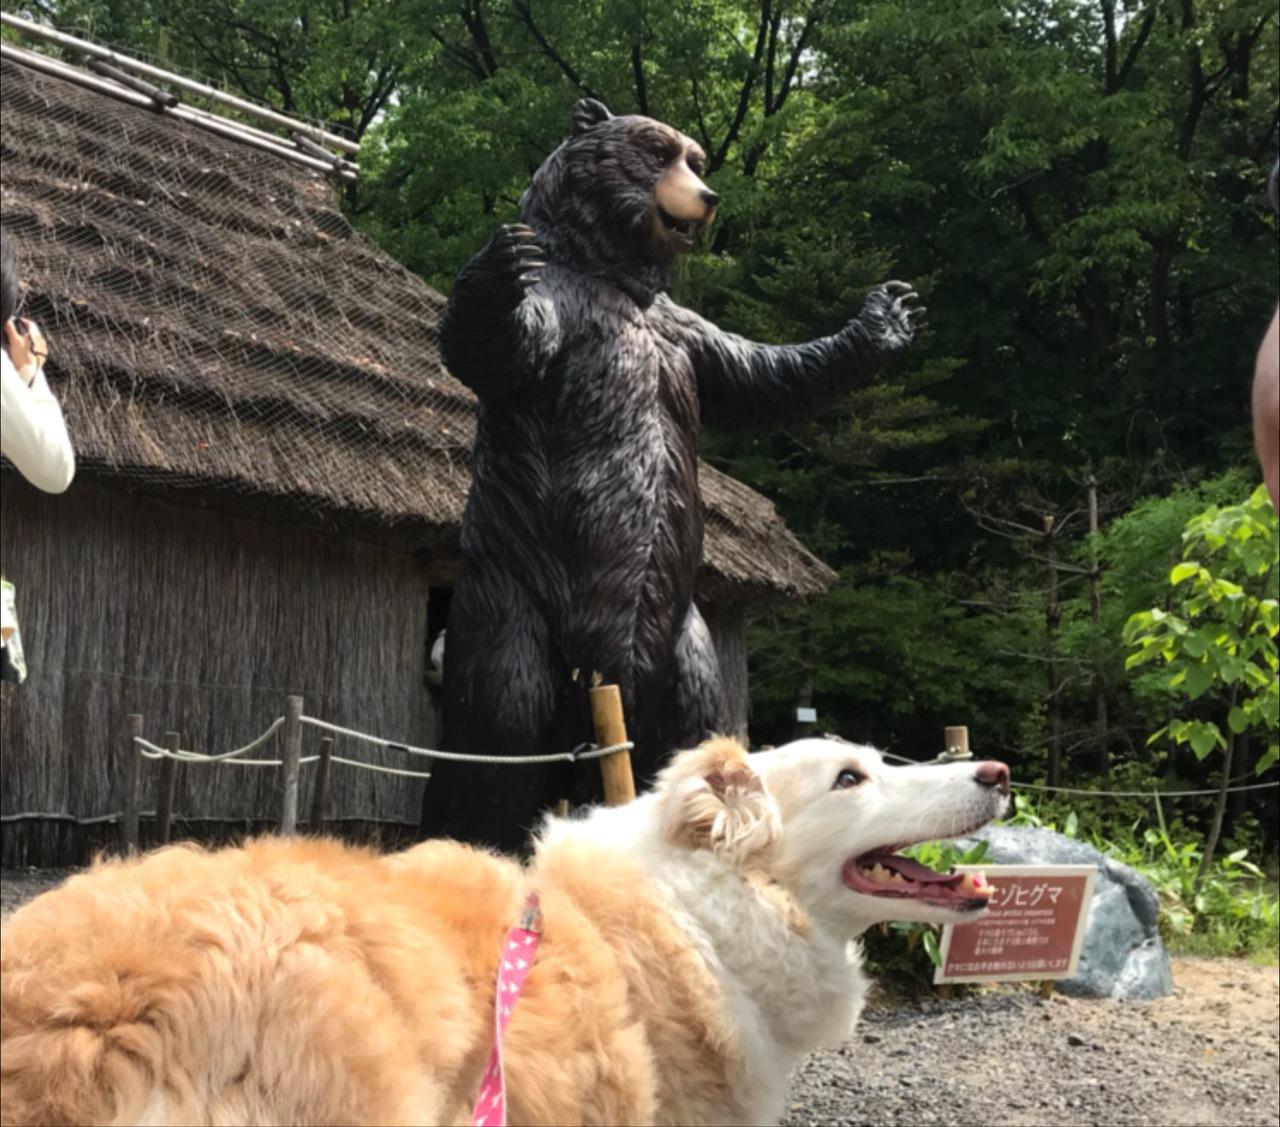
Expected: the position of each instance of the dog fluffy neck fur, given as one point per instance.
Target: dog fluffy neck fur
(788, 987)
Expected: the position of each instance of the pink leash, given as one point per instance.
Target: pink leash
(513, 968)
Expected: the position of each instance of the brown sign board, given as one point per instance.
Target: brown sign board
(1034, 928)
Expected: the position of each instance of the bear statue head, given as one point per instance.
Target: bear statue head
(622, 197)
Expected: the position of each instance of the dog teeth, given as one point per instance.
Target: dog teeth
(881, 875)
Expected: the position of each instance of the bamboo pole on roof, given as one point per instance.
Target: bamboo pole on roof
(124, 62)
(210, 122)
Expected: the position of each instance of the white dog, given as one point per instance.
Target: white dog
(696, 943)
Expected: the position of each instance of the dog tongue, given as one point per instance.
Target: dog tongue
(911, 870)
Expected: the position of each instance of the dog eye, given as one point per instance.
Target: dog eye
(696, 165)
(847, 778)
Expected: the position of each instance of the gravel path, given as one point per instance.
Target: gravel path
(1208, 1056)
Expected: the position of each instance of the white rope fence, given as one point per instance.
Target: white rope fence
(945, 758)
(154, 751)
(585, 752)
(293, 760)
(292, 724)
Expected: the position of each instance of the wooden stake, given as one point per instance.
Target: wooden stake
(321, 793)
(611, 728)
(956, 742)
(132, 761)
(168, 788)
(1046, 989)
(290, 767)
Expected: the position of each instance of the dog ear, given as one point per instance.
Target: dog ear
(588, 112)
(713, 799)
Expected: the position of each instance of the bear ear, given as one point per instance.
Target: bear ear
(588, 112)
(712, 799)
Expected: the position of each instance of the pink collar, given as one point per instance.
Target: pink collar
(513, 968)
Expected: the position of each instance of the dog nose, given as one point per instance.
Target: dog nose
(709, 197)
(993, 774)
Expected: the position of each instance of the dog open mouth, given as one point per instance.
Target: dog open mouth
(686, 230)
(885, 873)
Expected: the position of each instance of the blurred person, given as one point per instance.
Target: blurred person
(1266, 386)
(33, 433)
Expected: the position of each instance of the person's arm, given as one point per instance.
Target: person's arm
(33, 433)
(1266, 409)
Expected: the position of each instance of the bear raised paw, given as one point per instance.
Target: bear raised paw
(583, 530)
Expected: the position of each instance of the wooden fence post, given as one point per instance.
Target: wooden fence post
(132, 762)
(291, 765)
(168, 788)
(611, 728)
(956, 743)
(320, 795)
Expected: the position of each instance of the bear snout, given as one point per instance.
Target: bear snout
(682, 195)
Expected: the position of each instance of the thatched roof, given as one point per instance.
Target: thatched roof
(216, 323)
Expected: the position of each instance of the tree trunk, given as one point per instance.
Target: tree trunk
(1095, 612)
(1239, 801)
(1220, 806)
(1052, 619)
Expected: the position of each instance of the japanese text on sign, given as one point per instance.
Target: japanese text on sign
(1033, 929)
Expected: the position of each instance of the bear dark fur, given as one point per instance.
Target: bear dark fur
(583, 531)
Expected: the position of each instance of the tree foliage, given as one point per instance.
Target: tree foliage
(1215, 646)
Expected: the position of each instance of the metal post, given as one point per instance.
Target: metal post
(132, 761)
(168, 788)
(290, 767)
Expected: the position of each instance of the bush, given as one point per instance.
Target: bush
(1235, 911)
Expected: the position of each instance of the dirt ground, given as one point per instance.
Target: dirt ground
(1208, 1055)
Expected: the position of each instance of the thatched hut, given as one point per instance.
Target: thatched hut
(272, 469)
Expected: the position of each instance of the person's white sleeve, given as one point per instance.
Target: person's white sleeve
(33, 433)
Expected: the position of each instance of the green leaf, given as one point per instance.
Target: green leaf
(1237, 719)
(1203, 738)
(930, 941)
(1199, 678)
(1197, 643)
(1183, 571)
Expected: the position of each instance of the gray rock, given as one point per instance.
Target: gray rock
(1122, 957)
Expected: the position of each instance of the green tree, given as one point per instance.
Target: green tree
(1216, 646)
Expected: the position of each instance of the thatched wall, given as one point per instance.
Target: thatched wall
(202, 622)
(728, 628)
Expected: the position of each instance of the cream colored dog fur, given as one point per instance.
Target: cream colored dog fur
(697, 943)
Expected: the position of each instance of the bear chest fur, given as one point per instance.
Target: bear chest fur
(587, 475)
